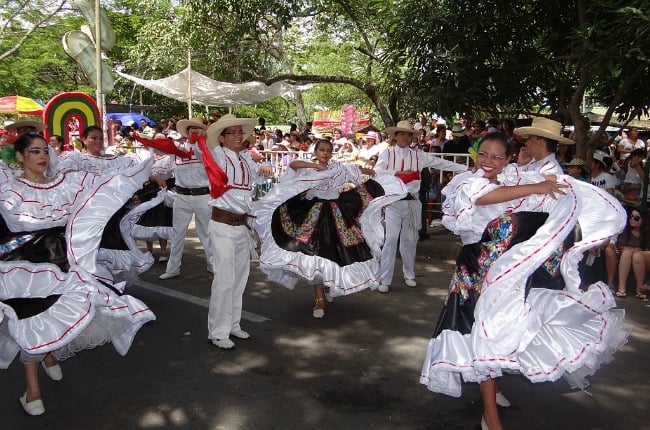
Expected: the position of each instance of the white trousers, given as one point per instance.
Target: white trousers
(231, 248)
(402, 224)
(184, 208)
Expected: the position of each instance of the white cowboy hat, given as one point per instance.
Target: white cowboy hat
(404, 126)
(602, 158)
(544, 127)
(229, 120)
(184, 124)
(39, 126)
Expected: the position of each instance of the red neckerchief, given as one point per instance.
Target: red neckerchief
(165, 145)
(217, 177)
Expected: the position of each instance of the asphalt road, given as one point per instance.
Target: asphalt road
(357, 368)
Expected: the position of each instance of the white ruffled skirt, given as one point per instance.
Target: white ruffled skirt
(286, 267)
(45, 310)
(551, 333)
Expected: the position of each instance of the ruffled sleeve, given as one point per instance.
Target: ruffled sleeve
(28, 206)
(354, 173)
(461, 215)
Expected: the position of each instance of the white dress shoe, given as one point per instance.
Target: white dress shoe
(410, 283)
(502, 401)
(223, 343)
(319, 308)
(383, 288)
(168, 275)
(35, 407)
(241, 334)
(54, 372)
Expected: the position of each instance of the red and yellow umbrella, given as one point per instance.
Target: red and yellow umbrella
(20, 105)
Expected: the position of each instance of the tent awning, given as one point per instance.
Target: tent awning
(208, 92)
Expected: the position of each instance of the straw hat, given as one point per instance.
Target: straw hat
(229, 120)
(404, 126)
(575, 162)
(184, 124)
(458, 130)
(12, 128)
(546, 128)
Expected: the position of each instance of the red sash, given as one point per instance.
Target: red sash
(408, 177)
(217, 177)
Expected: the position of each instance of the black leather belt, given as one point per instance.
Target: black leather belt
(230, 218)
(192, 191)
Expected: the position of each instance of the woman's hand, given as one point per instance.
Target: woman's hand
(367, 171)
(551, 187)
(157, 180)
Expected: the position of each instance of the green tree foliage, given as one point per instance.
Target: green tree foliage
(19, 20)
(476, 58)
(488, 58)
(40, 68)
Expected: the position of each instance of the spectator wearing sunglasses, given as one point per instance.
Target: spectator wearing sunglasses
(634, 253)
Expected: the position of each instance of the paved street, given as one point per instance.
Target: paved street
(357, 368)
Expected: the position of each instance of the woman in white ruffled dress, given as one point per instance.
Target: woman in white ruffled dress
(323, 223)
(56, 298)
(118, 253)
(520, 256)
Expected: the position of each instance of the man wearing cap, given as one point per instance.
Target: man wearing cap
(459, 142)
(191, 197)
(403, 218)
(542, 138)
(576, 168)
(600, 176)
(231, 172)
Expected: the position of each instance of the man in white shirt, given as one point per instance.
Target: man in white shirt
(542, 138)
(600, 176)
(403, 218)
(191, 197)
(232, 173)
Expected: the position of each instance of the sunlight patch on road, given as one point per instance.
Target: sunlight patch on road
(164, 417)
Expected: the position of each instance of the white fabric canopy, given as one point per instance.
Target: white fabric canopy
(208, 92)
